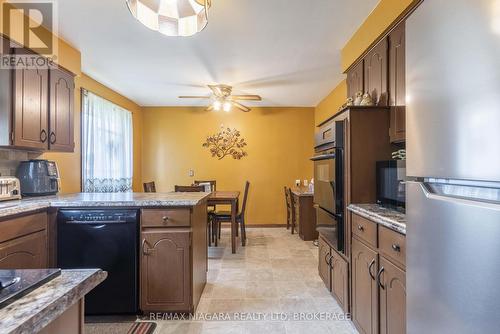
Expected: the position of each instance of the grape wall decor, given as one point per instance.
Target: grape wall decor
(227, 142)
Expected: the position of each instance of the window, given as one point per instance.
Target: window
(106, 146)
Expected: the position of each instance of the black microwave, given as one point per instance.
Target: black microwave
(391, 184)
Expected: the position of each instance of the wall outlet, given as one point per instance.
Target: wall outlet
(191, 173)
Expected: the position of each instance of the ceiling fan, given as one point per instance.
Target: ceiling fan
(223, 99)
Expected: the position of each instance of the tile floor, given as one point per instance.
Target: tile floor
(273, 277)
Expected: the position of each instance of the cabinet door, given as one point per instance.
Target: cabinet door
(30, 108)
(324, 261)
(397, 88)
(27, 252)
(165, 271)
(376, 73)
(355, 80)
(364, 288)
(62, 88)
(340, 280)
(392, 298)
(5, 97)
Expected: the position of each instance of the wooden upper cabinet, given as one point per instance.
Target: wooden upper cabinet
(165, 271)
(364, 288)
(375, 63)
(62, 91)
(397, 81)
(392, 298)
(355, 82)
(31, 128)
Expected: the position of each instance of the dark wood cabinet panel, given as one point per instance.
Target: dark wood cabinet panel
(165, 270)
(62, 91)
(324, 261)
(30, 108)
(27, 252)
(340, 280)
(355, 79)
(364, 288)
(392, 298)
(305, 217)
(397, 79)
(375, 63)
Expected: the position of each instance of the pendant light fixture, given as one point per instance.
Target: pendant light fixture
(171, 17)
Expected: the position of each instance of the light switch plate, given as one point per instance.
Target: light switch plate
(191, 173)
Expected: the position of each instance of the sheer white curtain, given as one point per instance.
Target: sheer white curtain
(107, 137)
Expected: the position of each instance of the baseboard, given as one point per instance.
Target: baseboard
(259, 225)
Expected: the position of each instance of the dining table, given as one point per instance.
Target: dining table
(227, 198)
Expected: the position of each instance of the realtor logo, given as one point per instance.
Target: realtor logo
(29, 24)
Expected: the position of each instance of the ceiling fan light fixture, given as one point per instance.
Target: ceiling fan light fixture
(217, 105)
(171, 17)
(227, 106)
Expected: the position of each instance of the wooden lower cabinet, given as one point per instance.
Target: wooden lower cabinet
(305, 216)
(334, 271)
(323, 263)
(340, 280)
(165, 270)
(364, 288)
(26, 252)
(392, 298)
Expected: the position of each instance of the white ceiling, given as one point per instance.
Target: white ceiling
(287, 51)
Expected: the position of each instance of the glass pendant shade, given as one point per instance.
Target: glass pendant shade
(171, 17)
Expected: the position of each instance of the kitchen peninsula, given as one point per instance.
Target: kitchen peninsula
(171, 234)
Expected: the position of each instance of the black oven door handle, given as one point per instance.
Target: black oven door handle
(323, 157)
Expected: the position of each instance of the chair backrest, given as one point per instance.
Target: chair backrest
(292, 204)
(287, 198)
(149, 187)
(213, 184)
(189, 189)
(245, 197)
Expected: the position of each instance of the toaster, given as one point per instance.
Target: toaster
(9, 188)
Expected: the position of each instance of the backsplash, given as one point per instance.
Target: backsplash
(9, 160)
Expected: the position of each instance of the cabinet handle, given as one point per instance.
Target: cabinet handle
(370, 269)
(43, 136)
(361, 228)
(165, 219)
(53, 137)
(378, 278)
(327, 261)
(145, 250)
(396, 248)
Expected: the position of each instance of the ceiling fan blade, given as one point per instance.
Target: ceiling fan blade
(240, 106)
(193, 97)
(216, 90)
(246, 97)
(210, 108)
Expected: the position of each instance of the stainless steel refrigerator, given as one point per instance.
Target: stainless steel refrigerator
(453, 157)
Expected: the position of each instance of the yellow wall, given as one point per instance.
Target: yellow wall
(280, 143)
(386, 12)
(70, 163)
(330, 104)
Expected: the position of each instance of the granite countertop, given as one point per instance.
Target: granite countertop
(102, 200)
(37, 309)
(389, 218)
(302, 191)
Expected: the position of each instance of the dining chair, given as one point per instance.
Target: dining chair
(293, 220)
(225, 217)
(189, 189)
(213, 184)
(149, 187)
(288, 208)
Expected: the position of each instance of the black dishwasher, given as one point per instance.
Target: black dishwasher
(105, 239)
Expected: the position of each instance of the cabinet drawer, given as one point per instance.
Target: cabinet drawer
(165, 218)
(17, 227)
(366, 230)
(393, 245)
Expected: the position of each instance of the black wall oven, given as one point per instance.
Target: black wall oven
(329, 183)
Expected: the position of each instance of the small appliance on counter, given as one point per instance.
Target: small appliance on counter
(9, 188)
(38, 178)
